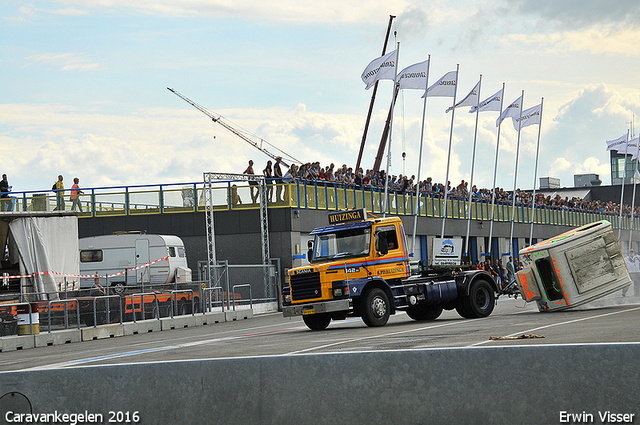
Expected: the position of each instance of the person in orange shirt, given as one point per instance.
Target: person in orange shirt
(75, 195)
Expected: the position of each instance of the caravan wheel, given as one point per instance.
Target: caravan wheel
(117, 287)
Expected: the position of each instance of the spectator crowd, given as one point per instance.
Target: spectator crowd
(332, 175)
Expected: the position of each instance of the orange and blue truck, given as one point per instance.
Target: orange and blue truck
(359, 266)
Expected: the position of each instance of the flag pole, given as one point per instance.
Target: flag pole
(373, 99)
(473, 163)
(624, 175)
(515, 176)
(633, 202)
(417, 200)
(446, 179)
(535, 177)
(393, 104)
(495, 172)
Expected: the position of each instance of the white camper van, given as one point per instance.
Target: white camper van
(123, 253)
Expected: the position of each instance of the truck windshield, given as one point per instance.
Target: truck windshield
(342, 244)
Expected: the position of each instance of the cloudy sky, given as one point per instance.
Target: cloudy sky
(85, 81)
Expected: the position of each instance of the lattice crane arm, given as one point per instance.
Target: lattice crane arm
(225, 124)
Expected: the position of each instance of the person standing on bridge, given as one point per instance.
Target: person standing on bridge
(277, 173)
(254, 190)
(59, 188)
(268, 174)
(7, 204)
(75, 195)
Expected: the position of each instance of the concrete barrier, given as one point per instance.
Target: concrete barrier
(239, 314)
(168, 323)
(209, 318)
(16, 342)
(19, 342)
(523, 385)
(142, 327)
(60, 337)
(102, 332)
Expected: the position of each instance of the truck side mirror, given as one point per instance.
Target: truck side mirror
(381, 243)
(309, 250)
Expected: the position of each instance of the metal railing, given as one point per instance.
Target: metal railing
(174, 300)
(66, 314)
(230, 195)
(208, 302)
(107, 309)
(245, 285)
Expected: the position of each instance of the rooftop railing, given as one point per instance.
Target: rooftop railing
(318, 195)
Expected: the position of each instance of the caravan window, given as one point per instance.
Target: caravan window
(172, 251)
(181, 252)
(90, 255)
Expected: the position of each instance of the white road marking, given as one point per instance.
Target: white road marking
(559, 324)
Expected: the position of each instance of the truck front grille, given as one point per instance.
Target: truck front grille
(305, 286)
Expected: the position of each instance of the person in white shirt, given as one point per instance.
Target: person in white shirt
(633, 265)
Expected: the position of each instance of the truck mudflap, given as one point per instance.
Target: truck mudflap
(316, 308)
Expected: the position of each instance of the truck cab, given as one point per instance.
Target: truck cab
(359, 266)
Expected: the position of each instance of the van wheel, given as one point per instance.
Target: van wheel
(375, 309)
(317, 322)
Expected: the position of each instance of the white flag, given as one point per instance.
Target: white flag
(633, 147)
(513, 110)
(618, 144)
(529, 117)
(470, 99)
(445, 86)
(382, 68)
(414, 76)
(492, 103)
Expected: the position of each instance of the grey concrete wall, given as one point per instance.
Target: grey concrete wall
(511, 385)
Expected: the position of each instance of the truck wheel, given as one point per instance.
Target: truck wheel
(375, 309)
(424, 312)
(480, 301)
(316, 322)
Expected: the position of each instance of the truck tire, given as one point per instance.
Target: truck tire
(480, 301)
(424, 312)
(184, 308)
(375, 308)
(316, 322)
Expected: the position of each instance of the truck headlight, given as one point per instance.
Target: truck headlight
(337, 292)
(287, 298)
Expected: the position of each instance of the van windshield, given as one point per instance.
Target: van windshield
(342, 244)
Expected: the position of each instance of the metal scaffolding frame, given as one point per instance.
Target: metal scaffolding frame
(212, 177)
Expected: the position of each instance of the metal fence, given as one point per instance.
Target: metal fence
(243, 287)
(232, 195)
(242, 284)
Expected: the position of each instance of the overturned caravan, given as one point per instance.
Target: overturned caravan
(573, 268)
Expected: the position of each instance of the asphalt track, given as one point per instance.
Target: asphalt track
(613, 320)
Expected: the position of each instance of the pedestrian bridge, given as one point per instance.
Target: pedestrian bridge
(313, 195)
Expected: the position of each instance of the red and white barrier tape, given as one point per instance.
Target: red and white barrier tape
(84, 275)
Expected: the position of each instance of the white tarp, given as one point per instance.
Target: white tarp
(47, 244)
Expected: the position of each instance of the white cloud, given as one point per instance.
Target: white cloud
(299, 11)
(67, 61)
(592, 40)
(71, 11)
